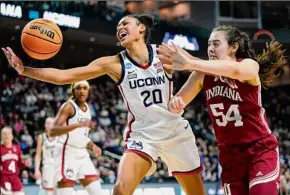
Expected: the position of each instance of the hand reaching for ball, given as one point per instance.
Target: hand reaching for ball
(13, 60)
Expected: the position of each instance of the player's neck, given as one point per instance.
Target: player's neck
(81, 104)
(8, 145)
(139, 52)
(49, 137)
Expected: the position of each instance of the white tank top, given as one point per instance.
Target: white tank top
(146, 90)
(50, 149)
(78, 138)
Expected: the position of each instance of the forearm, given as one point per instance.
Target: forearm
(60, 130)
(191, 88)
(91, 145)
(50, 75)
(62, 77)
(37, 160)
(226, 68)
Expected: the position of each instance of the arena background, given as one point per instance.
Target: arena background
(89, 32)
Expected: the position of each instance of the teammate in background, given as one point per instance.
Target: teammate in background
(11, 162)
(72, 125)
(232, 79)
(47, 150)
(146, 88)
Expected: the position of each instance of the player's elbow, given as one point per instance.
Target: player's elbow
(238, 73)
(246, 70)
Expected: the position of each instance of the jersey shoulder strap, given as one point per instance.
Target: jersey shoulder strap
(44, 137)
(73, 103)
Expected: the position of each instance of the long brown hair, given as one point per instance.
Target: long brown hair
(270, 60)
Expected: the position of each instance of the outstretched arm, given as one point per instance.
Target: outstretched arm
(65, 112)
(98, 67)
(247, 69)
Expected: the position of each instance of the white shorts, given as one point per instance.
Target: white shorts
(48, 175)
(74, 164)
(178, 151)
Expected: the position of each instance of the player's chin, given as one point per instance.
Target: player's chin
(82, 98)
(213, 58)
(124, 43)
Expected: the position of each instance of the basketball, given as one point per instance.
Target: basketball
(41, 39)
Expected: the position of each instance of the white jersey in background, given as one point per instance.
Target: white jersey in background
(50, 149)
(75, 162)
(79, 137)
(152, 130)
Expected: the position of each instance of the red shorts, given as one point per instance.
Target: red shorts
(252, 169)
(10, 183)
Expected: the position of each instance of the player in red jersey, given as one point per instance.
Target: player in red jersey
(11, 161)
(232, 79)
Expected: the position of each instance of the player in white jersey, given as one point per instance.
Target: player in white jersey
(74, 163)
(146, 88)
(47, 150)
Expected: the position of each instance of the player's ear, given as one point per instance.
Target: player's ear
(234, 47)
(142, 28)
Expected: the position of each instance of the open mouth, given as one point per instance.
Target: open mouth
(122, 35)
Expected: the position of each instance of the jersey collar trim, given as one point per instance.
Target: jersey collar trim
(142, 66)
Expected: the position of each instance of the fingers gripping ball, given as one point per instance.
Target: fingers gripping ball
(41, 39)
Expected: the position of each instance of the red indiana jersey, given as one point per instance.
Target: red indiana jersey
(235, 109)
(11, 160)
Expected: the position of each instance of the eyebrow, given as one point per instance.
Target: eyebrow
(122, 22)
(215, 40)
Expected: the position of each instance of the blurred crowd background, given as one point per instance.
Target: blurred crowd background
(25, 103)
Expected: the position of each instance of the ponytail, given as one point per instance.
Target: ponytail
(271, 60)
(149, 21)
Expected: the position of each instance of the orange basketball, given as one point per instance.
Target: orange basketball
(41, 39)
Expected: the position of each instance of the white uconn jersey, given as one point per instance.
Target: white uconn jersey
(146, 91)
(50, 149)
(77, 138)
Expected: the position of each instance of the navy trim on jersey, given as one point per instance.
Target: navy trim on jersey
(166, 74)
(76, 104)
(73, 114)
(123, 69)
(150, 50)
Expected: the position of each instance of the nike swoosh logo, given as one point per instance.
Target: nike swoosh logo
(130, 72)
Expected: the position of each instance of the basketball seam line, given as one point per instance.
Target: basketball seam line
(42, 38)
(60, 36)
(39, 52)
